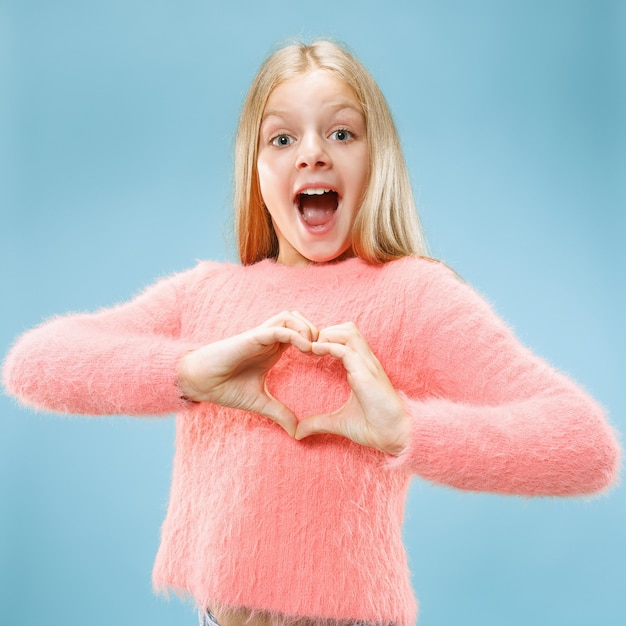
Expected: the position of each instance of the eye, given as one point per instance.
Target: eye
(342, 135)
(280, 141)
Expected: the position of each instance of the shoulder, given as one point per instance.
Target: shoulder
(435, 290)
(203, 272)
(413, 273)
(179, 287)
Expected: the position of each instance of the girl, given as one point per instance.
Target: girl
(315, 378)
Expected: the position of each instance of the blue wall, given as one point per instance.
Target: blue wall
(116, 125)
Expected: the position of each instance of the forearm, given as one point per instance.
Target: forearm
(558, 445)
(487, 414)
(71, 366)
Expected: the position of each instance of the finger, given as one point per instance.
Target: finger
(359, 367)
(358, 358)
(294, 320)
(339, 332)
(313, 331)
(324, 348)
(357, 353)
(280, 334)
(317, 425)
(347, 334)
(280, 414)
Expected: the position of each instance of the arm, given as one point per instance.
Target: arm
(119, 360)
(232, 372)
(498, 418)
(477, 410)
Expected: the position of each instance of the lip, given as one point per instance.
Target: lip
(314, 185)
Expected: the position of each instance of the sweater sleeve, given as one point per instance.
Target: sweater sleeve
(497, 417)
(120, 360)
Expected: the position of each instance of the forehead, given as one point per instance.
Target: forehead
(313, 89)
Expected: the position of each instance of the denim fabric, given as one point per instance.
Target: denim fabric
(207, 618)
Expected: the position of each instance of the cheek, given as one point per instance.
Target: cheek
(263, 173)
(270, 180)
(268, 190)
(360, 172)
(361, 181)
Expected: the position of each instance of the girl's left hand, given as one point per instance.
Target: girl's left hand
(374, 415)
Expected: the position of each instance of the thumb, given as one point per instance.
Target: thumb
(316, 425)
(280, 414)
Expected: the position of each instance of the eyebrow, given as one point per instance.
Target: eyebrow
(335, 108)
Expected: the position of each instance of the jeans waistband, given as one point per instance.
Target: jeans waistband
(207, 619)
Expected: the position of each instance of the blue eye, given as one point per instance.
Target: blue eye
(342, 135)
(281, 141)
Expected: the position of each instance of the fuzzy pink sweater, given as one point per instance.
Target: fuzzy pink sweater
(313, 528)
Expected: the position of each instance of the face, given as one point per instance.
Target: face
(313, 166)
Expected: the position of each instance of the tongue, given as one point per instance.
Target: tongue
(318, 210)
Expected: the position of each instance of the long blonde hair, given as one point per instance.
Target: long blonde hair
(387, 225)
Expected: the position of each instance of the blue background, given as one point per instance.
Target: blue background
(116, 126)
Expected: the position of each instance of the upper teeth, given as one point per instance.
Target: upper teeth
(315, 191)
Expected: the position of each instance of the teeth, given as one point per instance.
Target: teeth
(315, 191)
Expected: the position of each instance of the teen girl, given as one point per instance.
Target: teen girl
(315, 378)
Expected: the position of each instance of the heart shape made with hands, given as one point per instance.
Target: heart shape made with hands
(373, 414)
(308, 384)
(234, 372)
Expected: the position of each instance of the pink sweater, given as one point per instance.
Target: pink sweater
(313, 528)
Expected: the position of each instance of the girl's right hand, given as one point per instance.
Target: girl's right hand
(232, 372)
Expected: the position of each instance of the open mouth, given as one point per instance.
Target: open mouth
(317, 205)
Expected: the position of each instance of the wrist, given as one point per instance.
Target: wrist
(399, 440)
(183, 379)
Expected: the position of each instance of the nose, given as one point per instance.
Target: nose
(312, 153)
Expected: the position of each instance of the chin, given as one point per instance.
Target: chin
(330, 257)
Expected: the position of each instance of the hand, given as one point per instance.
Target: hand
(374, 414)
(232, 372)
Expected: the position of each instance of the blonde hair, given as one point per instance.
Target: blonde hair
(387, 226)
